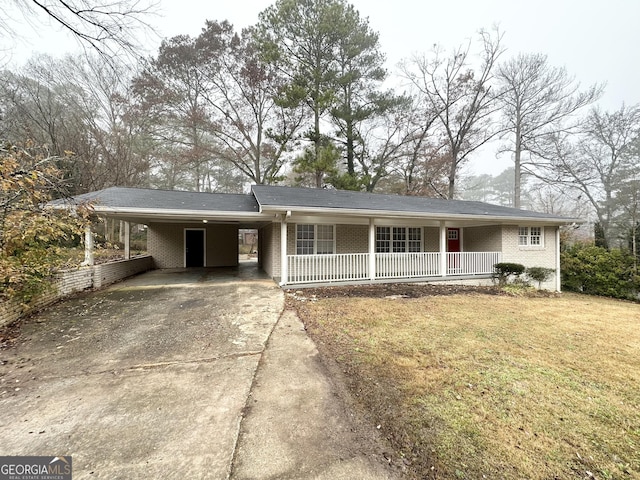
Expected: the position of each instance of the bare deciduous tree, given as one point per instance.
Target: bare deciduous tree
(253, 132)
(461, 96)
(599, 161)
(536, 100)
(105, 26)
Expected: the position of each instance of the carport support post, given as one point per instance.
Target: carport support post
(284, 276)
(88, 246)
(443, 249)
(372, 250)
(127, 240)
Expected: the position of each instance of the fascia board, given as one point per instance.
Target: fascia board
(175, 213)
(504, 219)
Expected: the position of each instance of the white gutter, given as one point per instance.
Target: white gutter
(430, 215)
(173, 213)
(266, 213)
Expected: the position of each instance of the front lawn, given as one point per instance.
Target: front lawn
(477, 385)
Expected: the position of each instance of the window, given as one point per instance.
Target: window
(314, 239)
(414, 242)
(398, 239)
(383, 239)
(324, 239)
(530, 236)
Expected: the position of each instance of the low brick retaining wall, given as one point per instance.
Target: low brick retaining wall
(67, 282)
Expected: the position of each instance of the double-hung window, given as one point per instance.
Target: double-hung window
(530, 236)
(398, 239)
(315, 239)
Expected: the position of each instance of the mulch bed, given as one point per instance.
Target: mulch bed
(406, 290)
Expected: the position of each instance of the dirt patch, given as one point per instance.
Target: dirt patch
(9, 334)
(403, 290)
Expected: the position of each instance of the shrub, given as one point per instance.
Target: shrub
(505, 270)
(598, 271)
(539, 274)
(32, 235)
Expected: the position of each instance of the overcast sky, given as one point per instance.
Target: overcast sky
(597, 41)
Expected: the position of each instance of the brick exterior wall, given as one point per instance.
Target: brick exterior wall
(67, 282)
(482, 239)
(269, 249)
(111, 272)
(165, 243)
(352, 238)
(542, 256)
(431, 242)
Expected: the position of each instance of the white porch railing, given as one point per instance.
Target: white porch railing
(328, 268)
(407, 265)
(355, 266)
(472, 263)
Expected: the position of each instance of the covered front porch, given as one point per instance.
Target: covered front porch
(352, 267)
(434, 252)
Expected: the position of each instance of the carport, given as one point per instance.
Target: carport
(184, 229)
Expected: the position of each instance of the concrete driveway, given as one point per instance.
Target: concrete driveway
(181, 374)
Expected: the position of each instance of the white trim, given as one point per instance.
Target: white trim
(127, 240)
(341, 212)
(443, 249)
(558, 278)
(284, 266)
(529, 246)
(204, 245)
(372, 249)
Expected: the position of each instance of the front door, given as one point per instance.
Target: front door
(453, 247)
(453, 240)
(194, 248)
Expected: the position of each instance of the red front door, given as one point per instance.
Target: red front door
(453, 240)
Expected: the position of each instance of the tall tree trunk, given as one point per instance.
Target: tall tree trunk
(350, 149)
(517, 169)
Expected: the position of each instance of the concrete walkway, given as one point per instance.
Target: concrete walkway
(183, 374)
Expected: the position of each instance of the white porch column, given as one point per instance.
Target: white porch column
(284, 274)
(558, 279)
(127, 240)
(443, 249)
(88, 247)
(372, 249)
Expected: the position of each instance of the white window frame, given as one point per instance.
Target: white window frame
(392, 242)
(531, 236)
(315, 238)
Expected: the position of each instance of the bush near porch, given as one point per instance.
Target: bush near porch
(598, 271)
(478, 385)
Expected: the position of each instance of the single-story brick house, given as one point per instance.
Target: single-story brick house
(310, 236)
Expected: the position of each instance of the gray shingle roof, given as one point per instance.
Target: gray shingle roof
(122, 197)
(270, 197)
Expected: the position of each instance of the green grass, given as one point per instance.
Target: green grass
(486, 386)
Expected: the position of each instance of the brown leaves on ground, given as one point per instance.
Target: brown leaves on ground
(406, 290)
